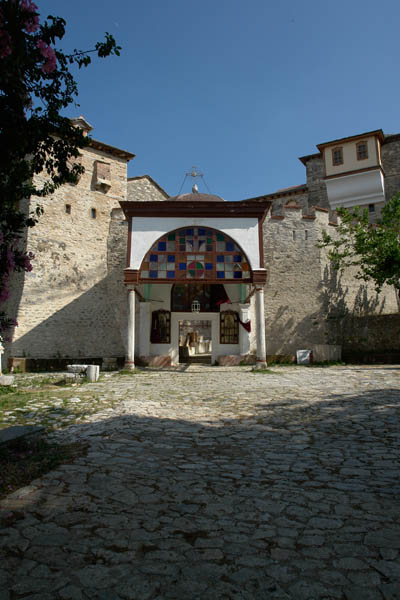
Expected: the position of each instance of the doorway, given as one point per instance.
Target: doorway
(195, 341)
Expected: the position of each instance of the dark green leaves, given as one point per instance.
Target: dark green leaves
(373, 248)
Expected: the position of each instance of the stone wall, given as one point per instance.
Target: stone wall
(279, 202)
(391, 165)
(371, 338)
(317, 194)
(306, 301)
(293, 302)
(143, 189)
(74, 303)
(64, 307)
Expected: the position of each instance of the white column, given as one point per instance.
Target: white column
(260, 323)
(244, 336)
(145, 326)
(130, 357)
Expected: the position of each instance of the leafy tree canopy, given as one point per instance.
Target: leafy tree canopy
(35, 86)
(373, 248)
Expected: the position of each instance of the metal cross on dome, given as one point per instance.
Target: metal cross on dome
(195, 173)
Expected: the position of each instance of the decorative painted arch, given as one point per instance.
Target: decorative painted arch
(195, 253)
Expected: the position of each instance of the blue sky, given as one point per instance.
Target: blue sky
(239, 89)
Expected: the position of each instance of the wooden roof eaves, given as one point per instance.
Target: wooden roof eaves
(305, 159)
(295, 191)
(110, 149)
(245, 208)
(376, 132)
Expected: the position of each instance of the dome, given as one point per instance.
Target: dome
(197, 197)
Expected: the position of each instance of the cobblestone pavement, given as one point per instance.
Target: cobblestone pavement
(216, 483)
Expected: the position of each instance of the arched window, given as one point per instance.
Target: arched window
(229, 327)
(195, 253)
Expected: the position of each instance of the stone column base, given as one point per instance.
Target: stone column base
(261, 364)
(129, 365)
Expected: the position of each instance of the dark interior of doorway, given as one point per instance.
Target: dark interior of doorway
(195, 342)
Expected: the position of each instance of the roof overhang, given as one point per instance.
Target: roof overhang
(172, 208)
(110, 149)
(376, 133)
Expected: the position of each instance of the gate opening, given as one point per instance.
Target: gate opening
(195, 342)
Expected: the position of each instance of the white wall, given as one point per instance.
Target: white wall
(357, 189)
(350, 162)
(146, 231)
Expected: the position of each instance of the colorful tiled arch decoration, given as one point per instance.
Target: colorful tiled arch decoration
(194, 253)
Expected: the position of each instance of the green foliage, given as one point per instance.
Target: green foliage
(373, 248)
(134, 371)
(6, 389)
(36, 85)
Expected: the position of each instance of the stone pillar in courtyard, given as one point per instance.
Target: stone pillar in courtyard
(260, 325)
(244, 336)
(130, 356)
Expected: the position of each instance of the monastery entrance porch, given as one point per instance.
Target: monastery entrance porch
(195, 264)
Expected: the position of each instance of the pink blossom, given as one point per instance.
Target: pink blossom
(48, 53)
(28, 6)
(31, 23)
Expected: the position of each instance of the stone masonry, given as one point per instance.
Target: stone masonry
(305, 299)
(63, 306)
(74, 304)
(144, 189)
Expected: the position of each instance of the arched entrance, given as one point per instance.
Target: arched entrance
(195, 238)
(201, 264)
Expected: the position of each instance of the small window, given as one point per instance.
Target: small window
(68, 209)
(306, 234)
(93, 213)
(371, 208)
(362, 150)
(337, 156)
(102, 176)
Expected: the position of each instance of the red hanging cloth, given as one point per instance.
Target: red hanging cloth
(247, 325)
(221, 296)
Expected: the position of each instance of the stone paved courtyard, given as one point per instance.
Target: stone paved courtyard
(219, 483)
